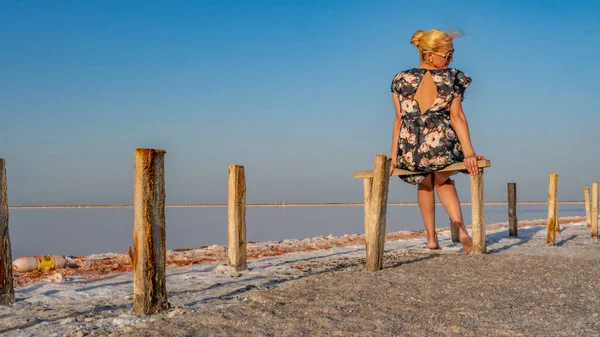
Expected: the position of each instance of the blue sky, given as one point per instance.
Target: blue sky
(296, 91)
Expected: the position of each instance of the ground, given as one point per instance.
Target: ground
(415, 295)
(521, 288)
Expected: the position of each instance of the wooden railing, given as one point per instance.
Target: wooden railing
(375, 204)
(148, 254)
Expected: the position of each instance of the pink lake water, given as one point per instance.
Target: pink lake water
(102, 230)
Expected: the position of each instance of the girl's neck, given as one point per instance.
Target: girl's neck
(428, 66)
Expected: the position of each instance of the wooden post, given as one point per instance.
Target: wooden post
(375, 233)
(588, 211)
(454, 231)
(512, 210)
(556, 223)
(236, 215)
(551, 222)
(595, 210)
(149, 236)
(477, 213)
(7, 291)
(368, 186)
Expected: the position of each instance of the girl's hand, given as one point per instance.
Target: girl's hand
(471, 163)
(393, 166)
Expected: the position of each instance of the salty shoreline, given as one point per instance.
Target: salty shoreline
(319, 286)
(96, 266)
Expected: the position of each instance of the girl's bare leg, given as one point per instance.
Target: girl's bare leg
(446, 192)
(426, 200)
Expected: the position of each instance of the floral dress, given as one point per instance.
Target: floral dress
(427, 141)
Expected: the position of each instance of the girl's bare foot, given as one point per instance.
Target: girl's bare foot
(463, 236)
(466, 241)
(433, 244)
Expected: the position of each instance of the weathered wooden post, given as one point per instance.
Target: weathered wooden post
(595, 210)
(375, 231)
(368, 187)
(588, 211)
(236, 219)
(556, 222)
(7, 291)
(454, 231)
(149, 235)
(512, 210)
(552, 218)
(477, 213)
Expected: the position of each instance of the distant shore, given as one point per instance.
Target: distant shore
(325, 204)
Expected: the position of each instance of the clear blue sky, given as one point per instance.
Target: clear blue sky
(296, 91)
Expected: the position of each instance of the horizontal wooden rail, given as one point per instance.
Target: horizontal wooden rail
(398, 172)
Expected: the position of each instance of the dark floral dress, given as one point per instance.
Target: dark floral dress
(427, 141)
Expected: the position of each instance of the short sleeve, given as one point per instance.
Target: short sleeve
(461, 83)
(395, 87)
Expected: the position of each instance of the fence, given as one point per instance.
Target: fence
(148, 255)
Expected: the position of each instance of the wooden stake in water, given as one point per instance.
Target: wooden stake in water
(588, 211)
(595, 210)
(375, 234)
(7, 291)
(552, 217)
(512, 210)
(236, 219)
(149, 235)
(454, 231)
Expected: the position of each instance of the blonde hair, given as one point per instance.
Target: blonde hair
(431, 40)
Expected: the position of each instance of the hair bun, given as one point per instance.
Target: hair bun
(417, 37)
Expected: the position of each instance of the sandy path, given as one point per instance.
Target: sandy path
(524, 289)
(416, 295)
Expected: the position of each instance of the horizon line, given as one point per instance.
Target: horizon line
(283, 204)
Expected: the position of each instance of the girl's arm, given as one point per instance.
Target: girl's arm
(395, 134)
(460, 125)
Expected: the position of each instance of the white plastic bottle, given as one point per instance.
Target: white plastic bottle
(29, 263)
